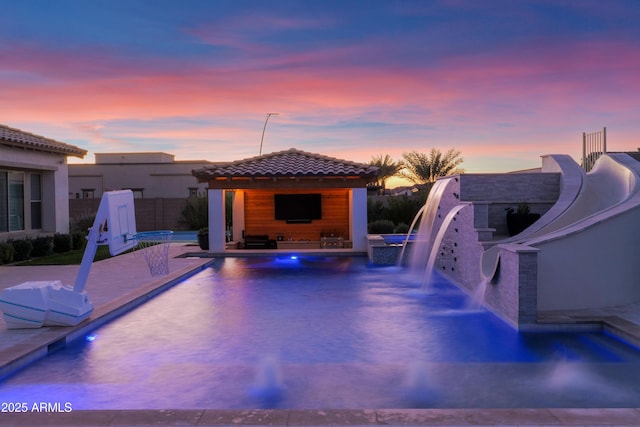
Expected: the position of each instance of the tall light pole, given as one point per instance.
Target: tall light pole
(265, 128)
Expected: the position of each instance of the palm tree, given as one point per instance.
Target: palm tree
(423, 168)
(387, 168)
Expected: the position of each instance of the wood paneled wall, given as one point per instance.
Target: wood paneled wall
(260, 215)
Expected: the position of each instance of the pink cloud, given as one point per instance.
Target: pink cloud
(474, 84)
(497, 105)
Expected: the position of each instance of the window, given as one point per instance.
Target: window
(16, 201)
(88, 193)
(4, 202)
(11, 201)
(36, 201)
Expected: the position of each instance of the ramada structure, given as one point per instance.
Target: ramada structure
(290, 199)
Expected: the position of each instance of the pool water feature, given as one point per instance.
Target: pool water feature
(428, 275)
(325, 333)
(424, 219)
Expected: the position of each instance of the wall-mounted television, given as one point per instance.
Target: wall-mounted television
(298, 208)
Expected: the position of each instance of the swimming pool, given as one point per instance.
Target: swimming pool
(325, 333)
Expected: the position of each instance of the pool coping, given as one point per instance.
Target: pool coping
(611, 324)
(336, 417)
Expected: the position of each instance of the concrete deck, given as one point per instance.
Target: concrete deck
(114, 285)
(118, 284)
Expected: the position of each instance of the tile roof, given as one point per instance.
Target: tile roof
(288, 163)
(22, 139)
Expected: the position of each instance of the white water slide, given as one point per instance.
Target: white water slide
(589, 240)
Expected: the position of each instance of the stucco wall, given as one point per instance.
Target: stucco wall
(595, 266)
(592, 262)
(55, 199)
(158, 180)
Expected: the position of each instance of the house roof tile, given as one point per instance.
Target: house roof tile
(288, 163)
(22, 139)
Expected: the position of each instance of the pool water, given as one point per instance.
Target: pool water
(325, 333)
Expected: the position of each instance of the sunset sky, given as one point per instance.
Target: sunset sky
(502, 81)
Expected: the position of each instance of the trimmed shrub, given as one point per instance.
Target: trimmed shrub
(401, 228)
(403, 208)
(22, 250)
(6, 253)
(78, 240)
(41, 246)
(376, 210)
(381, 226)
(61, 243)
(399, 209)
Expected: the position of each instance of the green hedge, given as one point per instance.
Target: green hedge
(78, 240)
(62, 243)
(24, 249)
(6, 253)
(41, 246)
(399, 210)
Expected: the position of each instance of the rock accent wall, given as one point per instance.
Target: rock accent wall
(480, 224)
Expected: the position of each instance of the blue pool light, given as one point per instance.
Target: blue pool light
(90, 337)
(288, 260)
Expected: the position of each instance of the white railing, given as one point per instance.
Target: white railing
(594, 145)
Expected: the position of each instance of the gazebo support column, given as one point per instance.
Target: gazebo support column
(358, 226)
(216, 221)
(238, 215)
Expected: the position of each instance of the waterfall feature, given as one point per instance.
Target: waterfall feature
(426, 245)
(435, 248)
(477, 299)
(425, 219)
(407, 239)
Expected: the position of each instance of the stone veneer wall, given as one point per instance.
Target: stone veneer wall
(459, 251)
(481, 224)
(503, 191)
(513, 293)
